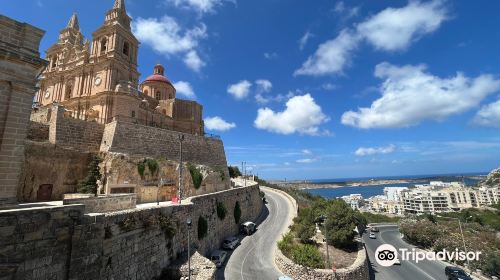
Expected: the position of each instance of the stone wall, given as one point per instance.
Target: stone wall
(47, 164)
(41, 115)
(38, 131)
(136, 139)
(67, 132)
(102, 204)
(359, 270)
(64, 243)
(20, 64)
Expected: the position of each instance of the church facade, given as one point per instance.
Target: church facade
(98, 80)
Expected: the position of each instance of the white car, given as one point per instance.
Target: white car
(218, 257)
(230, 243)
(372, 235)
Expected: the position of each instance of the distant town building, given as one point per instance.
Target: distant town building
(355, 200)
(394, 193)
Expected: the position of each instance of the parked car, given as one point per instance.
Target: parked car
(374, 229)
(230, 243)
(456, 273)
(248, 228)
(218, 257)
(372, 235)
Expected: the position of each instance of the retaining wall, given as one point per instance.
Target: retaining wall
(64, 243)
(101, 204)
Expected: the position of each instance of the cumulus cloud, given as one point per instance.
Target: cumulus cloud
(331, 56)
(240, 90)
(361, 152)
(410, 96)
(184, 88)
(167, 37)
(304, 39)
(394, 29)
(391, 29)
(200, 6)
(217, 123)
(263, 86)
(302, 115)
(193, 61)
(488, 115)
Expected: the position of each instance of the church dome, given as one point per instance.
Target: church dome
(158, 75)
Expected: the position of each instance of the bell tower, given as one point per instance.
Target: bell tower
(115, 48)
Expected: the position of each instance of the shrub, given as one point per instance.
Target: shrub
(234, 171)
(89, 184)
(492, 266)
(152, 166)
(222, 175)
(195, 175)
(305, 231)
(307, 255)
(286, 244)
(202, 227)
(237, 212)
(140, 168)
(221, 210)
(340, 224)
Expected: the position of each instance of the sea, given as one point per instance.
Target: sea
(373, 190)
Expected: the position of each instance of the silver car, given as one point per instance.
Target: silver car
(230, 243)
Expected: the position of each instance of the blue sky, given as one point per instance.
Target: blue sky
(322, 89)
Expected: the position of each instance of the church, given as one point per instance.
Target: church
(98, 81)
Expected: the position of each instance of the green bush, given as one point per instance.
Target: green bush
(492, 265)
(307, 255)
(141, 167)
(89, 184)
(286, 244)
(152, 166)
(237, 212)
(379, 218)
(202, 227)
(422, 233)
(195, 175)
(340, 224)
(221, 210)
(234, 171)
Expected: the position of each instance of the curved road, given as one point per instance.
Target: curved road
(254, 257)
(389, 234)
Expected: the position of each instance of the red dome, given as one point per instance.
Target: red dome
(157, 78)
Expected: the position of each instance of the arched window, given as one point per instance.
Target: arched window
(158, 95)
(125, 48)
(146, 92)
(104, 44)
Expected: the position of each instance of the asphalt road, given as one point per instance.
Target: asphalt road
(254, 257)
(408, 269)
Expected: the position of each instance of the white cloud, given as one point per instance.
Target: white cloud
(302, 115)
(344, 11)
(331, 56)
(395, 28)
(270, 56)
(306, 160)
(304, 39)
(328, 86)
(184, 88)
(488, 115)
(389, 30)
(240, 90)
(167, 37)
(410, 95)
(361, 152)
(217, 123)
(307, 152)
(263, 86)
(193, 61)
(200, 6)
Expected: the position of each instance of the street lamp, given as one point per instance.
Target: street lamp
(181, 138)
(160, 184)
(189, 223)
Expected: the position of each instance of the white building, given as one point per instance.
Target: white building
(394, 193)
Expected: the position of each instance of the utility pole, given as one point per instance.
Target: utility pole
(189, 223)
(181, 138)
